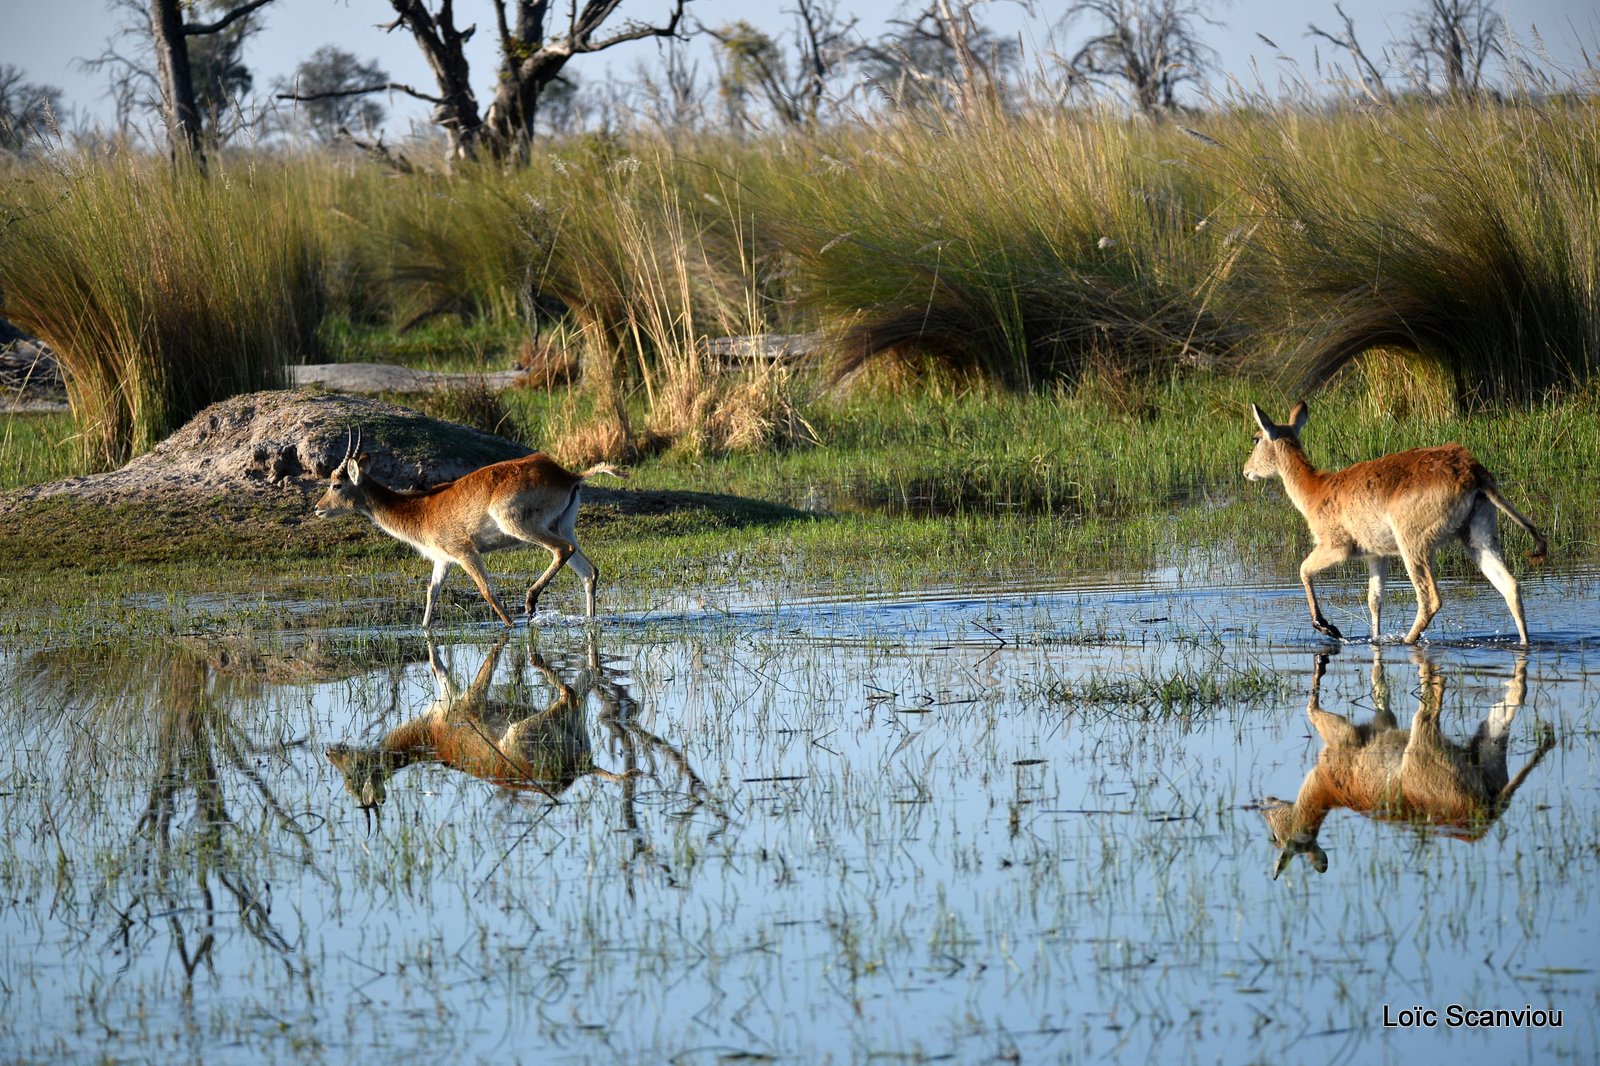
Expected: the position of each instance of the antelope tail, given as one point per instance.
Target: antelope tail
(1541, 547)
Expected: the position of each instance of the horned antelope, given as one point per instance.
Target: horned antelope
(1405, 504)
(532, 500)
(503, 740)
(1394, 774)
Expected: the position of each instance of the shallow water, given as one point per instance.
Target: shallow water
(1020, 822)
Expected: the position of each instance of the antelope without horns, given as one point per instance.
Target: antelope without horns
(1392, 774)
(1405, 504)
(532, 500)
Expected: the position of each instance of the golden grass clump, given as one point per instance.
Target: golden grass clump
(601, 439)
(702, 408)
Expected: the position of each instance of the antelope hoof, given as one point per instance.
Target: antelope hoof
(531, 604)
(1327, 628)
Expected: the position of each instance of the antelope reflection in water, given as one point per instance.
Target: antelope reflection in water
(503, 735)
(1412, 775)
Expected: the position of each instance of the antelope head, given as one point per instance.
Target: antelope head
(345, 493)
(365, 770)
(1264, 461)
(1291, 838)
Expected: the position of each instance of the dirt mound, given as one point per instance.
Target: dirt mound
(286, 443)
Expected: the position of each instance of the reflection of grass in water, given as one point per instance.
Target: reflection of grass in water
(979, 854)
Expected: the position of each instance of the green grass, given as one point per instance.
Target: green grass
(1023, 487)
(36, 447)
(444, 343)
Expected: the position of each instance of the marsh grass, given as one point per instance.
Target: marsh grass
(1030, 250)
(1185, 691)
(1445, 251)
(160, 291)
(35, 448)
(1454, 250)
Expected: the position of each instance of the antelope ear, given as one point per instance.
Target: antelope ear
(1283, 861)
(1319, 859)
(1263, 421)
(1298, 417)
(352, 470)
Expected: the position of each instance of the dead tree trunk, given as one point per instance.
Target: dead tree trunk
(170, 34)
(178, 106)
(534, 48)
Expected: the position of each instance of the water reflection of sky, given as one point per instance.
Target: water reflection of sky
(943, 825)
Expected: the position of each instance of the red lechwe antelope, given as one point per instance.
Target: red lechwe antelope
(532, 500)
(1413, 775)
(1406, 504)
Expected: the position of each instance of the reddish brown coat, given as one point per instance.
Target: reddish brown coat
(1407, 504)
(532, 500)
(1414, 775)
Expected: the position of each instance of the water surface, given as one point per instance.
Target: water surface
(1017, 822)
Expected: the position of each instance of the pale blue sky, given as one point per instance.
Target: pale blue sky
(47, 37)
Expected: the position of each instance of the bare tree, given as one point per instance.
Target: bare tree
(1347, 42)
(170, 32)
(1459, 36)
(562, 104)
(28, 111)
(674, 98)
(335, 86)
(1454, 38)
(941, 56)
(754, 65)
(535, 47)
(1152, 47)
(191, 74)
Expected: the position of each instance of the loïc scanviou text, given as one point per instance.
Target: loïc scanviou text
(1456, 1016)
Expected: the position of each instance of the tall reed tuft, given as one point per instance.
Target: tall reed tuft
(464, 243)
(1454, 243)
(160, 291)
(1031, 250)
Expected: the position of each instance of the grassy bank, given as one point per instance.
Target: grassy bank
(903, 492)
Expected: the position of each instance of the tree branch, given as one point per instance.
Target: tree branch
(388, 86)
(201, 29)
(1370, 77)
(635, 31)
